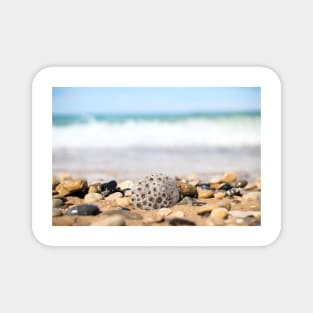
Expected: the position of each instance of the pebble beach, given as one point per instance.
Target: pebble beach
(229, 199)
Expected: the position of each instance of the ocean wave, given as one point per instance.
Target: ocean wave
(222, 132)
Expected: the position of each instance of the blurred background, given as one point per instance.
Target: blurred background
(130, 132)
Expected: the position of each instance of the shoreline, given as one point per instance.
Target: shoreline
(135, 162)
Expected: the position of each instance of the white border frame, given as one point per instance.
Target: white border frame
(156, 77)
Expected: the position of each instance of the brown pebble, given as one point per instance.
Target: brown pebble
(219, 195)
(114, 220)
(219, 213)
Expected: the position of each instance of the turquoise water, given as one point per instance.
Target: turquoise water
(70, 119)
(157, 130)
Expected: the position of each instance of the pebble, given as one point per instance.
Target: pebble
(69, 187)
(186, 189)
(251, 196)
(241, 183)
(164, 212)
(215, 222)
(123, 202)
(92, 197)
(219, 195)
(252, 220)
(63, 220)
(250, 205)
(219, 213)
(225, 186)
(109, 187)
(206, 209)
(127, 214)
(57, 203)
(95, 188)
(177, 214)
(229, 177)
(148, 220)
(83, 209)
(185, 201)
(181, 222)
(55, 182)
(233, 192)
(73, 201)
(243, 214)
(126, 184)
(215, 186)
(204, 194)
(56, 212)
(114, 220)
(224, 203)
(114, 196)
(154, 192)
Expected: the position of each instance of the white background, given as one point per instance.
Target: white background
(35, 34)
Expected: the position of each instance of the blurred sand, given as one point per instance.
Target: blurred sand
(133, 163)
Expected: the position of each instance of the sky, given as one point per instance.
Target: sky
(115, 100)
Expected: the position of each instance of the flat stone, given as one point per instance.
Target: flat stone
(63, 220)
(126, 184)
(109, 187)
(207, 209)
(181, 222)
(185, 201)
(250, 205)
(219, 213)
(92, 197)
(177, 214)
(114, 220)
(251, 196)
(77, 187)
(127, 214)
(114, 196)
(164, 212)
(204, 194)
(225, 187)
(83, 209)
(243, 214)
(224, 203)
(241, 183)
(95, 188)
(73, 201)
(186, 189)
(56, 212)
(219, 195)
(57, 203)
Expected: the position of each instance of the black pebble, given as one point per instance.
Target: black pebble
(83, 209)
(181, 222)
(110, 186)
(225, 186)
(233, 192)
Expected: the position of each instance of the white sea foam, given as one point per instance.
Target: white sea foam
(219, 132)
